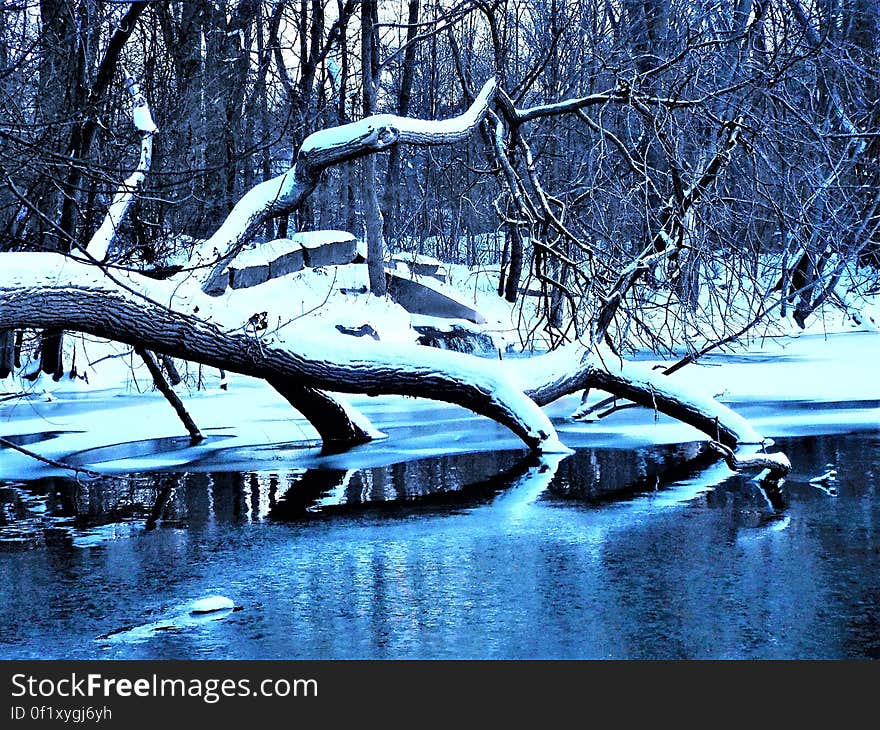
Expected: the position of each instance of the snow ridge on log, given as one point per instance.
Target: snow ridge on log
(549, 377)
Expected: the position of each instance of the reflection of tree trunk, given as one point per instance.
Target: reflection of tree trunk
(296, 502)
(163, 496)
(609, 475)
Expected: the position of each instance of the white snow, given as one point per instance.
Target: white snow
(316, 239)
(261, 255)
(211, 604)
(417, 259)
(828, 476)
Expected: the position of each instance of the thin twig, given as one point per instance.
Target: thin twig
(51, 462)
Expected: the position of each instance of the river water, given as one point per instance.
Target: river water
(618, 551)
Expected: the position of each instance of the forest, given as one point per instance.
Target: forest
(635, 174)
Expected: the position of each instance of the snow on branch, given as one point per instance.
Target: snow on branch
(99, 244)
(321, 150)
(621, 94)
(372, 134)
(576, 367)
(652, 389)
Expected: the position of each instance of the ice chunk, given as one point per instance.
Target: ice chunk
(212, 604)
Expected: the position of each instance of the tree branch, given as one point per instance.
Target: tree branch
(100, 242)
(319, 151)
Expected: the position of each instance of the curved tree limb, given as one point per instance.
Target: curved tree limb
(777, 465)
(602, 369)
(321, 150)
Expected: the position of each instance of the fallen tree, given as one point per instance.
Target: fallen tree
(179, 317)
(41, 290)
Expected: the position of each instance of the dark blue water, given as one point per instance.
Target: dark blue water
(654, 552)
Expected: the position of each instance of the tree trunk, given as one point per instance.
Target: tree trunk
(51, 353)
(49, 291)
(7, 353)
(393, 182)
(514, 244)
(46, 290)
(372, 213)
(335, 424)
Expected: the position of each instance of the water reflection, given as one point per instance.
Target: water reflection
(625, 553)
(64, 511)
(599, 475)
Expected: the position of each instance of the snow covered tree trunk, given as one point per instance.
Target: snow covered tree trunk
(175, 318)
(99, 245)
(606, 371)
(49, 290)
(320, 150)
(775, 466)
